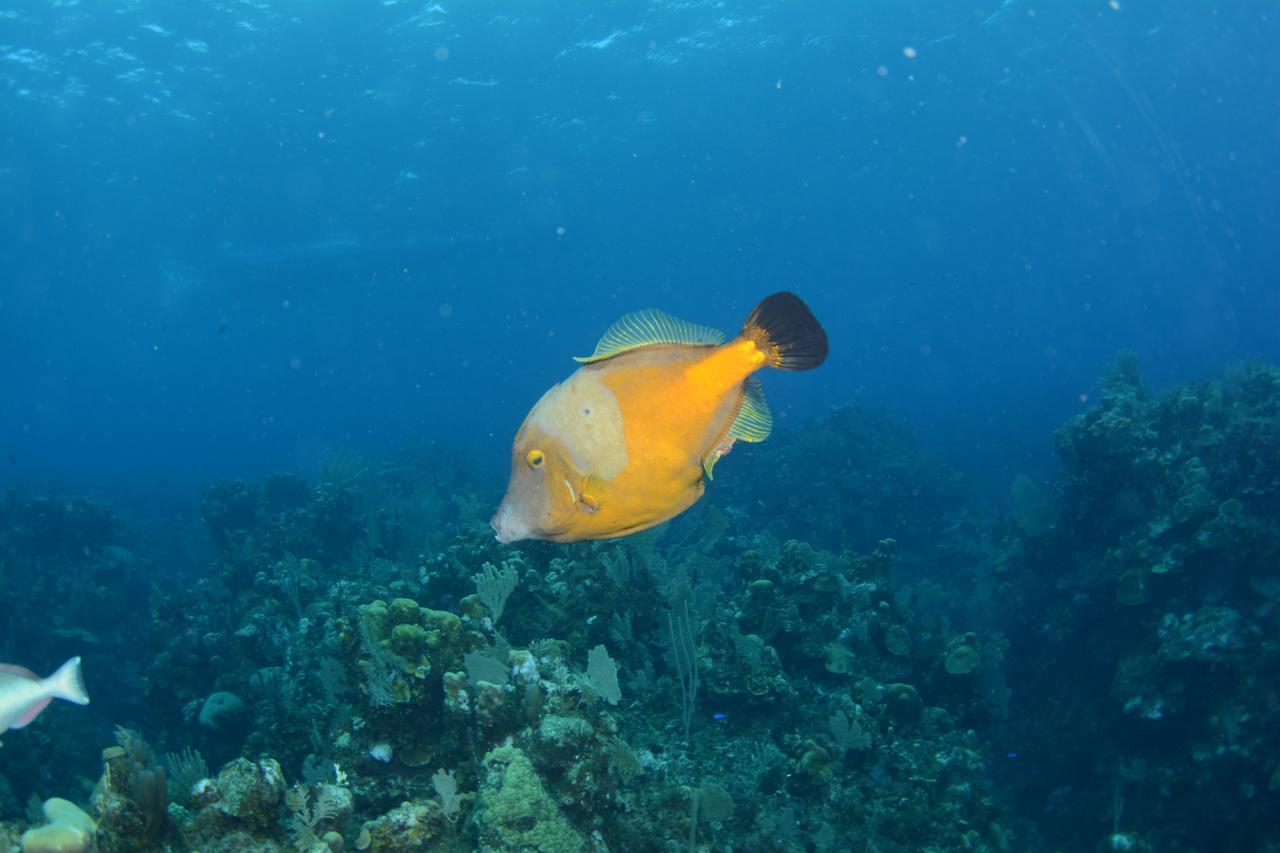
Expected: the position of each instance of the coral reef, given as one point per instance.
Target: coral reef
(846, 651)
(1145, 651)
(132, 796)
(607, 695)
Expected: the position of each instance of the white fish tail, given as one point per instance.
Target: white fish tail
(67, 683)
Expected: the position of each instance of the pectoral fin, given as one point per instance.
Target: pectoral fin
(594, 493)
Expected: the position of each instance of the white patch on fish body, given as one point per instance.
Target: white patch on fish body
(17, 696)
(583, 413)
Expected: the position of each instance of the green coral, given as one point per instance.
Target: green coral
(378, 616)
(409, 641)
(516, 812)
(403, 611)
(903, 703)
(962, 655)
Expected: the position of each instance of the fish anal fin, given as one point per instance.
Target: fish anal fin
(754, 421)
(32, 712)
(646, 328)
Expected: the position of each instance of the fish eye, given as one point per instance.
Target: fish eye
(535, 458)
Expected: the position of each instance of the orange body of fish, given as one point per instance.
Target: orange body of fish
(629, 440)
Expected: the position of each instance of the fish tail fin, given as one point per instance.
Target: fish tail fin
(785, 330)
(67, 683)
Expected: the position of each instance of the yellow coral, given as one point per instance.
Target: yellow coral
(68, 830)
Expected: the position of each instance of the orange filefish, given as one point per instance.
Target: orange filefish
(630, 439)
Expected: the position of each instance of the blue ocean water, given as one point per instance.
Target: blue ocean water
(245, 237)
(236, 235)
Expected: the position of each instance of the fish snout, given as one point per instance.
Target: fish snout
(507, 528)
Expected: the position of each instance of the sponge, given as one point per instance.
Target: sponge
(68, 830)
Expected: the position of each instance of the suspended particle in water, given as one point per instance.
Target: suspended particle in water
(909, 52)
(882, 71)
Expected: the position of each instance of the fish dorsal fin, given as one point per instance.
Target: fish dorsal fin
(753, 423)
(646, 328)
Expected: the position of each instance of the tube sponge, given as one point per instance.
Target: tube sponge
(68, 830)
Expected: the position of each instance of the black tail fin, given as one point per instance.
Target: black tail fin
(785, 329)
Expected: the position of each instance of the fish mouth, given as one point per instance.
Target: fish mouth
(502, 536)
(507, 529)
